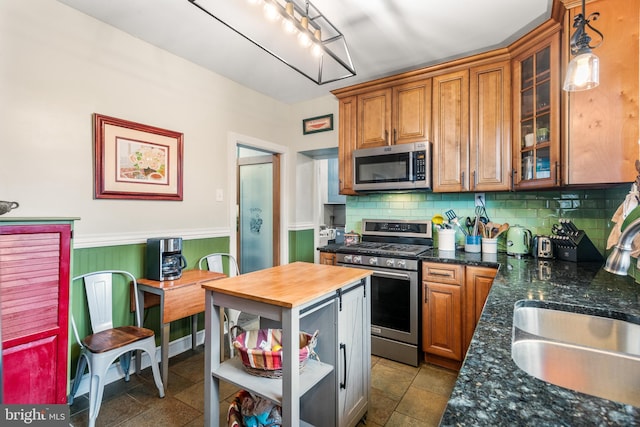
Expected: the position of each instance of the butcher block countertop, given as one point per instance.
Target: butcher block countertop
(288, 285)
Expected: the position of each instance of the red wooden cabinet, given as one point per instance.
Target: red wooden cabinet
(34, 303)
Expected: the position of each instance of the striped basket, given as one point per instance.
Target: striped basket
(258, 358)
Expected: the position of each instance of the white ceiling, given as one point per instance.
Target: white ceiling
(384, 37)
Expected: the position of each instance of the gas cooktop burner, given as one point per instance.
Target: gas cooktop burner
(398, 249)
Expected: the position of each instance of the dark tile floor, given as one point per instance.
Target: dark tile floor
(401, 396)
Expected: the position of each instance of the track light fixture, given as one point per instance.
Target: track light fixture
(317, 49)
(584, 69)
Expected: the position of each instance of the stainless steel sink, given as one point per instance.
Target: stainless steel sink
(595, 353)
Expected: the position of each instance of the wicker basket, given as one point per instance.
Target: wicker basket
(258, 358)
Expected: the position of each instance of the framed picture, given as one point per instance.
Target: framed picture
(317, 124)
(136, 161)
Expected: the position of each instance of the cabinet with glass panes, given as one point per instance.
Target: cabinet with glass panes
(536, 141)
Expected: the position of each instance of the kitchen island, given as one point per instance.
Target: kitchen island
(491, 390)
(332, 300)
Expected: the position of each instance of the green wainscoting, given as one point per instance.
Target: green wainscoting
(301, 246)
(132, 259)
(590, 210)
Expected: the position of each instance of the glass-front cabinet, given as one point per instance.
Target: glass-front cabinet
(536, 116)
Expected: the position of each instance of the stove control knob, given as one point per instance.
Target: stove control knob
(390, 263)
(357, 259)
(348, 258)
(401, 263)
(373, 261)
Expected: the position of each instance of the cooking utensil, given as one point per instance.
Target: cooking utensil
(503, 227)
(454, 219)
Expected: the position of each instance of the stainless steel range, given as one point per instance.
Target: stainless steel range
(390, 248)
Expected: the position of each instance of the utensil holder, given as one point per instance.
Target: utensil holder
(489, 246)
(472, 244)
(447, 239)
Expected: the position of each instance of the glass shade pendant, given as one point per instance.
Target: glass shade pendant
(583, 73)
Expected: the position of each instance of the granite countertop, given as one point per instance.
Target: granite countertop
(491, 390)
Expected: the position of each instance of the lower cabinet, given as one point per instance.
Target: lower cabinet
(354, 356)
(452, 301)
(34, 307)
(327, 258)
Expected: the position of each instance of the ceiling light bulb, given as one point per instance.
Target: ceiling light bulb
(317, 34)
(316, 50)
(304, 39)
(303, 36)
(289, 26)
(271, 12)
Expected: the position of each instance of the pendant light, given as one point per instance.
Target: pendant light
(583, 72)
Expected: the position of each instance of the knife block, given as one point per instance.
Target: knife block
(576, 248)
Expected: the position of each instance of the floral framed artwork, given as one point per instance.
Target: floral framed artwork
(136, 161)
(317, 124)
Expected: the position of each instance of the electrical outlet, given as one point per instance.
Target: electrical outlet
(479, 199)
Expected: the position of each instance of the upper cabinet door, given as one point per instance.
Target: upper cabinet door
(412, 112)
(374, 119)
(451, 132)
(490, 127)
(346, 144)
(602, 123)
(536, 143)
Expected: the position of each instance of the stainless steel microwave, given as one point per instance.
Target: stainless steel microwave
(393, 167)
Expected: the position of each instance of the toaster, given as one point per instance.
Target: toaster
(542, 247)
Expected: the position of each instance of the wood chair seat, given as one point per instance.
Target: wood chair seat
(115, 338)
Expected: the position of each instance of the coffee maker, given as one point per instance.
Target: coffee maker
(164, 258)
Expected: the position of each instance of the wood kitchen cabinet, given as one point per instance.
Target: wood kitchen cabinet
(327, 258)
(478, 281)
(450, 131)
(453, 299)
(601, 126)
(394, 115)
(347, 110)
(490, 127)
(472, 128)
(536, 113)
(442, 305)
(34, 304)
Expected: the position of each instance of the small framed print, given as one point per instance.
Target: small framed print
(136, 161)
(317, 124)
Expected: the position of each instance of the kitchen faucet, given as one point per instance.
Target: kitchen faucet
(620, 258)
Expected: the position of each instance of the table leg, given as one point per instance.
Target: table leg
(212, 321)
(290, 367)
(164, 351)
(222, 343)
(194, 331)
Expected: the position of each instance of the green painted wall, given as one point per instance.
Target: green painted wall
(301, 246)
(131, 258)
(590, 210)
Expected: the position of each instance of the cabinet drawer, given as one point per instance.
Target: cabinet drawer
(443, 273)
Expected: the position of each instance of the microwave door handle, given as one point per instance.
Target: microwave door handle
(391, 275)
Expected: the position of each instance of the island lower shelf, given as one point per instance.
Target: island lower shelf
(233, 372)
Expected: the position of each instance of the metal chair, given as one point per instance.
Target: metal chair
(106, 342)
(215, 262)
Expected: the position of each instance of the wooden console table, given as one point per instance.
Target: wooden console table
(178, 299)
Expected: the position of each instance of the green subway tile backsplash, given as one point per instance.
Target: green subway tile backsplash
(590, 210)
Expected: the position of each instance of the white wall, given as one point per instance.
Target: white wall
(58, 67)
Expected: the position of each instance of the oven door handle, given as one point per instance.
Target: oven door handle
(391, 275)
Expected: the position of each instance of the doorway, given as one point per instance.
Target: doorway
(258, 211)
(241, 149)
